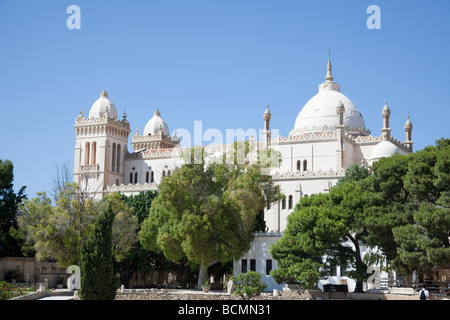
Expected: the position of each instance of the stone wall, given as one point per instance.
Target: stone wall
(37, 271)
(169, 294)
(175, 294)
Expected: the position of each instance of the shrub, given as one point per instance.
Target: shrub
(14, 274)
(248, 284)
(8, 291)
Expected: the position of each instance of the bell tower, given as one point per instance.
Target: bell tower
(100, 148)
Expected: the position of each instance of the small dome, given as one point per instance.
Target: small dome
(155, 124)
(99, 107)
(383, 149)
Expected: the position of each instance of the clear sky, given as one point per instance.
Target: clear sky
(218, 61)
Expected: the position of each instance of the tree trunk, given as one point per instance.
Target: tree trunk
(202, 273)
(359, 264)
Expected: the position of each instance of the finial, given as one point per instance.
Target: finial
(329, 76)
(81, 111)
(408, 124)
(267, 114)
(340, 107)
(104, 94)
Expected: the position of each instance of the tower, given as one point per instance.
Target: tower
(408, 131)
(266, 133)
(100, 148)
(386, 131)
(340, 133)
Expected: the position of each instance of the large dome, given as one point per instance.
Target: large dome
(155, 124)
(99, 107)
(319, 113)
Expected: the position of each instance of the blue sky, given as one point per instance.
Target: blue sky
(218, 61)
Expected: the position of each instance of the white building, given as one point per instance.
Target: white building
(329, 135)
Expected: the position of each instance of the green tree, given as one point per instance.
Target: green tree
(207, 213)
(408, 215)
(99, 280)
(9, 202)
(58, 231)
(139, 259)
(317, 233)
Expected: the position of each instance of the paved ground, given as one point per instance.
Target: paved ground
(59, 294)
(57, 298)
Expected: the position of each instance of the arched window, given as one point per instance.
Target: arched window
(164, 173)
(147, 176)
(168, 172)
(118, 158)
(87, 148)
(283, 203)
(152, 177)
(298, 165)
(131, 177)
(113, 162)
(135, 177)
(291, 202)
(93, 152)
(305, 165)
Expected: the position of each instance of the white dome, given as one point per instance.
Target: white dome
(155, 124)
(383, 149)
(98, 109)
(319, 113)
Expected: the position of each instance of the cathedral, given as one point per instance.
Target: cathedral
(328, 136)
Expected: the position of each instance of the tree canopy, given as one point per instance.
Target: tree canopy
(323, 232)
(401, 209)
(58, 231)
(9, 202)
(207, 212)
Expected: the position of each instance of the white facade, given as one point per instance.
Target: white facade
(328, 136)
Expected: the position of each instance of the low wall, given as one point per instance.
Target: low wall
(172, 294)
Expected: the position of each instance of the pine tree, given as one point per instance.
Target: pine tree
(99, 281)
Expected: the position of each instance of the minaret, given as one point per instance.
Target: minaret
(266, 132)
(386, 131)
(340, 110)
(408, 130)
